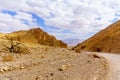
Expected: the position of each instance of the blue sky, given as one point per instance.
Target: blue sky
(68, 20)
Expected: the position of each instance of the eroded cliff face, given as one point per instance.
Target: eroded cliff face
(44, 38)
(107, 40)
(37, 36)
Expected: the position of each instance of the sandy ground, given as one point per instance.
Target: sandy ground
(55, 64)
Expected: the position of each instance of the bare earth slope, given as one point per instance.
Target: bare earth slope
(47, 63)
(107, 40)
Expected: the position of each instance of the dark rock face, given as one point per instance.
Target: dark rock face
(38, 36)
(107, 40)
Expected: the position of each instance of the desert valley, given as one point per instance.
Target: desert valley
(36, 55)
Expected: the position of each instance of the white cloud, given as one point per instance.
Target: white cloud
(10, 23)
(80, 16)
(23, 16)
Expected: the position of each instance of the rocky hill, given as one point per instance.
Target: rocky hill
(107, 40)
(36, 36)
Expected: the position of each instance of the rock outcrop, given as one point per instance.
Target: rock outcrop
(107, 40)
(36, 36)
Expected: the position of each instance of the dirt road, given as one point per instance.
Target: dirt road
(114, 61)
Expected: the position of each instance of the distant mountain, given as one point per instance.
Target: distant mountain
(107, 40)
(72, 42)
(36, 36)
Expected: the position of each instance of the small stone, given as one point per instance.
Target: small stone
(39, 78)
(3, 69)
(51, 74)
(64, 67)
(22, 67)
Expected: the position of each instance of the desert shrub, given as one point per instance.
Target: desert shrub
(77, 50)
(82, 47)
(98, 49)
(15, 46)
(7, 58)
(11, 44)
(22, 49)
(46, 49)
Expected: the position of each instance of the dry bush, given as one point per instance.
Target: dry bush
(15, 46)
(11, 44)
(98, 49)
(22, 49)
(77, 50)
(42, 57)
(46, 49)
(7, 58)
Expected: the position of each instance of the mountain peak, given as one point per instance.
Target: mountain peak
(37, 36)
